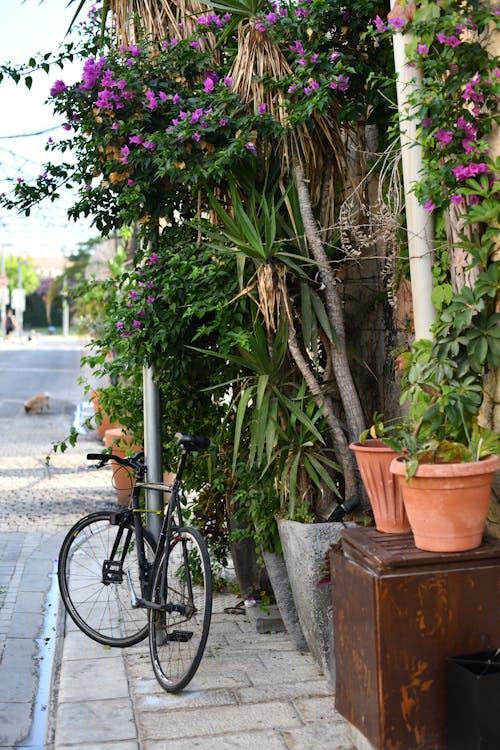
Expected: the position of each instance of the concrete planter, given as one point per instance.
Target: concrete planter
(280, 582)
(305, 548)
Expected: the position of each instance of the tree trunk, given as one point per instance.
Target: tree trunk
(347, 390)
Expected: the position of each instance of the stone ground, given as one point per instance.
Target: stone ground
(252, 690)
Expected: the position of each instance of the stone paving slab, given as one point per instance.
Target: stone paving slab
(253, 691)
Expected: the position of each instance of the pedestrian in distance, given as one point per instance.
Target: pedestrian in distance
(10, 323)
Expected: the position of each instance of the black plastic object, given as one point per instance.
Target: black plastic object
(473, 701)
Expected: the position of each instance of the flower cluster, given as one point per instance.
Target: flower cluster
(458, 97)
(141, 294)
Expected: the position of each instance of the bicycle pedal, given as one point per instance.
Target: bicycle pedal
(112, 572)
(180, 636)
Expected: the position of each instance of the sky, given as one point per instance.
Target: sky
(28, 27)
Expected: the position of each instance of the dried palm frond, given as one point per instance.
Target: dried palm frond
(157, 20)
(319, 147)
(256, 58)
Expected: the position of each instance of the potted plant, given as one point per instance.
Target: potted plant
(374, 458)
(447, 459)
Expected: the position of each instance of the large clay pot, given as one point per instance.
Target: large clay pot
(123, 479)
(106, 423)
(374, 461)
(447, 504)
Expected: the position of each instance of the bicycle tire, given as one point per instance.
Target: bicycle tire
(103, 611)
(177, 639)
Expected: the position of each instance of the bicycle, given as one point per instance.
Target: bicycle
(119, 587)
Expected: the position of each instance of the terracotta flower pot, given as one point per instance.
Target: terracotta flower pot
(447, 504)
(123, 480)
(374, 460)
(106, 423)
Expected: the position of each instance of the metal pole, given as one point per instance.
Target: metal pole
(419, 222)
(152, 448)
(65, 307)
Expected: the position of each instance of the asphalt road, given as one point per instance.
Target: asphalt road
(35, 367)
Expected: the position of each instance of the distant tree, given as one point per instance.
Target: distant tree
(29, 276)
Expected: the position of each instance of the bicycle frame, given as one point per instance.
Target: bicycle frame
(172, 520)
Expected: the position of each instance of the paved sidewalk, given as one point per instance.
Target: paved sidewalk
(252, 691)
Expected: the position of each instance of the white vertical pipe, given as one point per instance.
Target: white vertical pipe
(152, 448)
(418, 220)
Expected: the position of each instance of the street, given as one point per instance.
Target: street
(37, 507)
(33, 367)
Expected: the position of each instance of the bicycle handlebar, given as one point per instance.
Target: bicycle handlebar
(188, 442)
(103, 458)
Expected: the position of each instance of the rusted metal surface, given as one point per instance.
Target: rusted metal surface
(398, 613)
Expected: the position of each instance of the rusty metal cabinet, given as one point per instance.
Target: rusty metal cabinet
(398, 613)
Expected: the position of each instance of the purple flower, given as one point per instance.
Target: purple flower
(91, 72)
(429, 205)
(125, 152)
(302, 61)
(474, 200)
(137, 139)
(59, 87)
(196, 115)
(134, 50)
(250, 146)
(150, 299)
(427, 122)
(136, 324)
(152, 100)
(341, 84)
(379, 24)
(66, 126)
(228, 81)
(297, 47)
(334, 56)
(223, 121)
(444, 136)
(468, 146)
(196, 137)
(208, 85)
(463, 172)
(133, 294)
(194, 45)
(262, 109)
(120, 325)
(450, 41)
(130, 182)
(115, 126)
(271, 18)
(176, 99)
(153, 258)
(397, 22)
(260, 26)
(457, 199)
(150, 285)
(422, 49)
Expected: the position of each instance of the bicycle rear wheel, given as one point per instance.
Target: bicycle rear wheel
(178, 631)
(95, 559)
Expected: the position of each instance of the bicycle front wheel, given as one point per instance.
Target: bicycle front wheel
(179, 625)
(96, 558)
